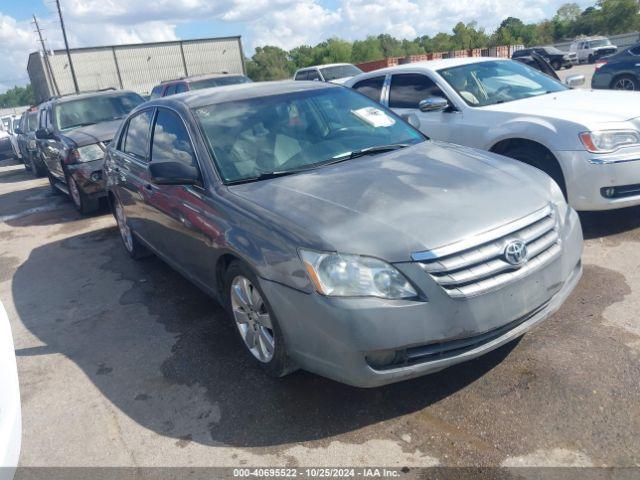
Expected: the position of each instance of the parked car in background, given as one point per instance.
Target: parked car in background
(26, 136)
(556, 58)
(587, 141)
(405, 255)
(171, 87)
(334, 73)
(10, 123)
(10, 410)
(589, 50)
(619, 72)
(6, 149)
(536, 61)
(71, 137)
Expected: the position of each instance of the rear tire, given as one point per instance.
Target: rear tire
(541, 158)
(255, 320)
(625, 82)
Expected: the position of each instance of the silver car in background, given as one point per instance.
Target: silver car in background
(340, 239)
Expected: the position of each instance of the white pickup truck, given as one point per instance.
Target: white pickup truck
(10, 412)
(587, 141)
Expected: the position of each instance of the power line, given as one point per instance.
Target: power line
(48, 68)
(66, 46)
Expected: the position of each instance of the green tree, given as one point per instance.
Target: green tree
(269, 63)
(17, 97)
(366, 50)
(302, 56)
(618, 16)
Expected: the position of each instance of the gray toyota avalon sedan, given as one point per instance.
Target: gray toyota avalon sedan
(340, 239)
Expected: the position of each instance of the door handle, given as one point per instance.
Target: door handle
(149, 187)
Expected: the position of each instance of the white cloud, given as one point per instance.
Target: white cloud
(286, 23)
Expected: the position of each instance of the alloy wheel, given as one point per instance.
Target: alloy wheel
(252, 319)
(123, 227)
(624, 84)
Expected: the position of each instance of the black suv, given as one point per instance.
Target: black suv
(557, 58)
(71, 137)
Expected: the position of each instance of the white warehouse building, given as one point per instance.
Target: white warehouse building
(137, 67)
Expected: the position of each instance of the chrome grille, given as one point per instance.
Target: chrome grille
(477, 265)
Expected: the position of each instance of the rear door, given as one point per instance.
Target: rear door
(180, 217)
(130, 172)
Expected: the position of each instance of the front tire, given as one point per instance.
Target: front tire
(83, 203)
(539, 157)
(131, 244)
(256, 322)
(556, 65)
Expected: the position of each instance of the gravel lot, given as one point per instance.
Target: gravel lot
(125, 363)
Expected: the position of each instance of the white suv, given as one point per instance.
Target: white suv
(591, 49)
(10, 412)
(588, 141)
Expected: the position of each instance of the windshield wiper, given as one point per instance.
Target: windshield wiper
(365, 151)
(266, 176)
(85, 124)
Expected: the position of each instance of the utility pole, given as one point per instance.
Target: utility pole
(47, 65)
(66, 46)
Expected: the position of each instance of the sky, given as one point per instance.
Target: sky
(285, 23)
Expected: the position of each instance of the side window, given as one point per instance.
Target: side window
(170, 142)
(635, 50)
(181, 87)
(171, 89)
(156, 92)
(409, 89)
(49, 119)
(313, 75)
(136, 138)
(371, 87)
(302, 75)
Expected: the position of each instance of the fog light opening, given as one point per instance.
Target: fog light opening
(609, 192)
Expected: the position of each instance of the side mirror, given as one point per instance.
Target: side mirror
(433, 104)
(574, 81)
(173, 173)
(412, 120)
(43, 134)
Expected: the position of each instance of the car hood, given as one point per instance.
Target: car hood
(394, 204)
(100, 132)
(579, 105)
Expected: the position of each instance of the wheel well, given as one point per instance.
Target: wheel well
(548, 164)
(221, 268)
(622, 75)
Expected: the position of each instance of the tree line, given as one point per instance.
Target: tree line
(17, 97)
(607, 17)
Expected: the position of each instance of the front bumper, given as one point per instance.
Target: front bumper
(337, 337)
(586, 175)
(90, 178)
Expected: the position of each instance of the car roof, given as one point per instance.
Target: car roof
(433, 65)
(325, 65)
(240, 91)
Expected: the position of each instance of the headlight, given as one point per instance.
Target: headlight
(88, 153)
(607, 141)
(336, 274)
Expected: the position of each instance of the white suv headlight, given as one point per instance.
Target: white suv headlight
(607, 141)
(336, 274)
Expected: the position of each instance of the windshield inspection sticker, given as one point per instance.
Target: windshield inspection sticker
(374, 117)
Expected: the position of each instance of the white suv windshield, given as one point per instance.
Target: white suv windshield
(499, 81)
(600, 43)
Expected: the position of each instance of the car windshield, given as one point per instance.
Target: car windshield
(605, 42)
(218, 82)
(299, 130)
(498, 81)
(94, 109)
(32, 121)
(340, 71)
